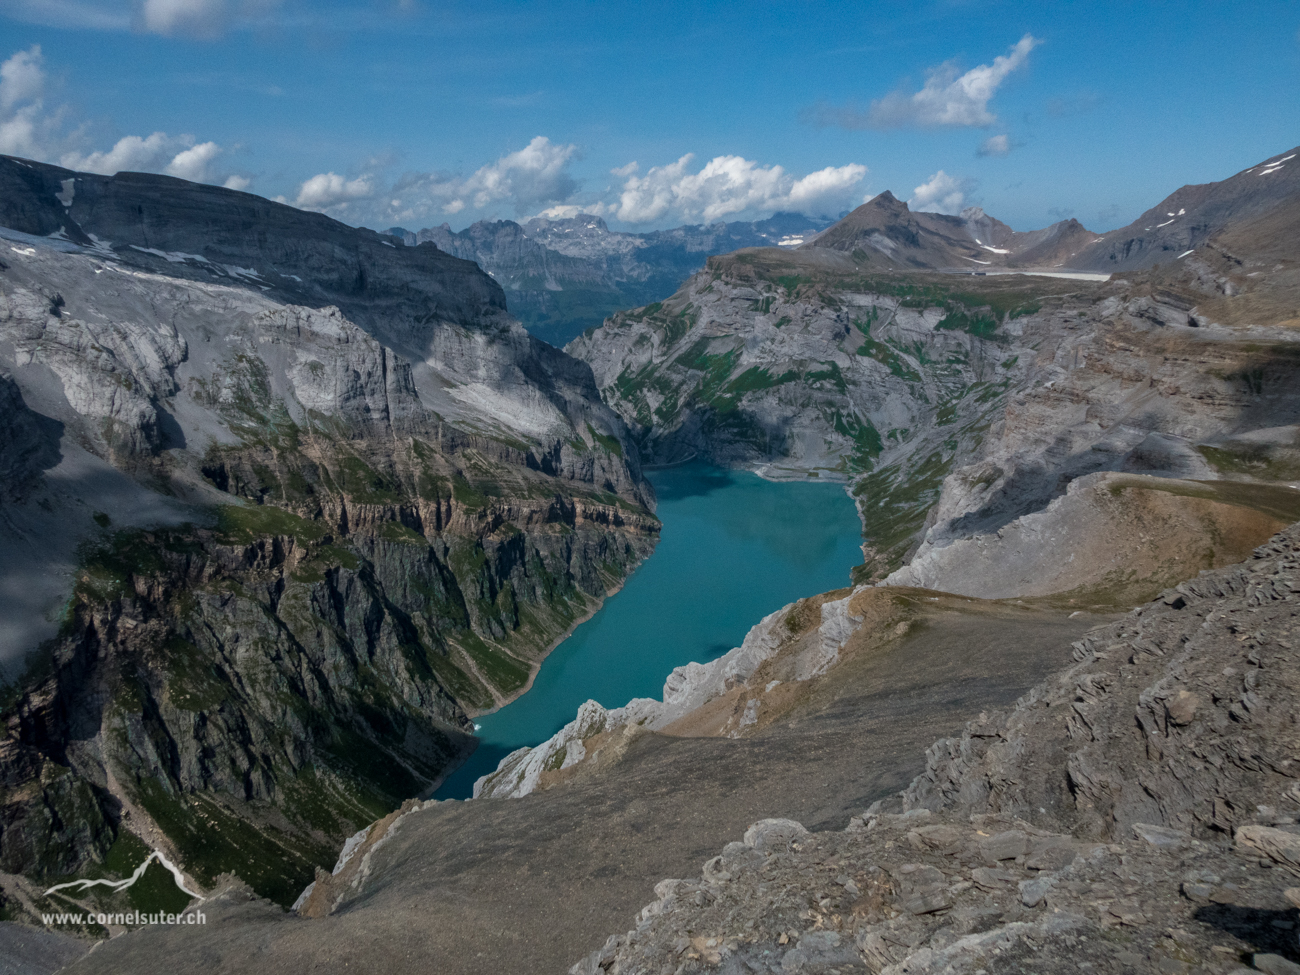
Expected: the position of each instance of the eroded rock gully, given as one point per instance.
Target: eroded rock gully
(1137, 812)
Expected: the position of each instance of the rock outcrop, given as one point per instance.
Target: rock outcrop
(793, 364)
(687, 689)
(27, 446)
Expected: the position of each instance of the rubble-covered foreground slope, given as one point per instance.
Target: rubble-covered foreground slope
(1135, 813)
(283, 505)
(531, 884)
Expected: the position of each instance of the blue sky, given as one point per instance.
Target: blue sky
(416, 111)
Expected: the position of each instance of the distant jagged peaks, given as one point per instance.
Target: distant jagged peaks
(886, 232)
(566, 274)
(1256, 211)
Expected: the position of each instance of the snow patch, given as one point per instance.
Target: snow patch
(1165, 224)
(537, 419)
(172, 257)
(69, 191)
(995, 250)
(1184, 254)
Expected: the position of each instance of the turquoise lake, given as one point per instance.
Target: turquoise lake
(734, 548)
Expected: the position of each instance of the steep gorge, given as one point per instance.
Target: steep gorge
(283, 539)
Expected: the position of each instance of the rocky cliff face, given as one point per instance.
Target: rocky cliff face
(1194, 216)
(295, 501)
(801, 364)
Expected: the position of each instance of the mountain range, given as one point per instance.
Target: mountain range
(564, 276)
(287, 503)
(885, 234)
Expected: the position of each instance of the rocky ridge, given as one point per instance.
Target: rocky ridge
(1196, 215)
(1136, 813)
(884, 233)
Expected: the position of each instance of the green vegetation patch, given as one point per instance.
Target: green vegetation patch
(212, 842)
(364, 484)
(505, 672)
(830, 374)
(105, 569)
(395, 531)
(1269, 462)
(467, 494)
(894, 501)
(890, 358)
(244, 524)
(321, 560)
(867, 444)
(959, 319)
(610, 444)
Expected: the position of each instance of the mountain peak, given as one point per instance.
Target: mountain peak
(885, 201)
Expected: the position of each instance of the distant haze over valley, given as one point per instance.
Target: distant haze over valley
(563, 276)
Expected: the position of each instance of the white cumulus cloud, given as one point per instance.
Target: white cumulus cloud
(537, 181)
(994, 145)
(193, 163)
(325, 190)
(533, 176)
(22, 78)
(941, 194)
(730, 185)
(948, 97)
(27, 129)
(196, 18)
(568, 210)
(132, 152)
